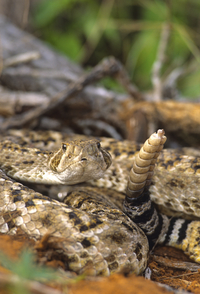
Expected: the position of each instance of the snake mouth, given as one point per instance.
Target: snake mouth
(81, 171)
(107, 158)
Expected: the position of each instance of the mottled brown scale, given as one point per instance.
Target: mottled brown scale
(171, 165)
(74, 162)
(94, 237)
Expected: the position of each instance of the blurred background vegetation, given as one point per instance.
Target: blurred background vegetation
(87, 31)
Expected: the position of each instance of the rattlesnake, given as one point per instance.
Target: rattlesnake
(95, 236)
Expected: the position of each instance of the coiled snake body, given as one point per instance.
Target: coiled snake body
(93, 234)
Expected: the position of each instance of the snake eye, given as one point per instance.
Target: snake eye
(98, 145)
(64, 147)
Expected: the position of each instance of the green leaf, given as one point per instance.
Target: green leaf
(189, 85)
(26, 268)
(48, 10)
(142, 56)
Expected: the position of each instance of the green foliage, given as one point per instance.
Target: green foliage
(190, 84)
(87, 31)
(26, 269)
(142, 56)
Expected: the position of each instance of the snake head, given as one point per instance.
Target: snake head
(79, 161)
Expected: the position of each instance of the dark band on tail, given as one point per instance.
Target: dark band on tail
(177, 231)
(142, 211)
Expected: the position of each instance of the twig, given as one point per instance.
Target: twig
(26, 13)
(156, 80)
(180, 276)
(10, 101)
(21, 58)
(172, 290)
(33, 286)
(100, 125)
(123, 78)
(183, 265)
(169, 85)
(108, 67)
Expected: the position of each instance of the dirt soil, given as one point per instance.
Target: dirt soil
(162, 264)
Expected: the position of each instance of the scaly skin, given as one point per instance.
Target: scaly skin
(95, 236)
(175, 183)
(74, 162)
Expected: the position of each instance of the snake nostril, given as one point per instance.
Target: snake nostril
(83, 159)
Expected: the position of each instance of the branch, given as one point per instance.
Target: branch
(10, 101)
(156, 80)
(108, 67)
